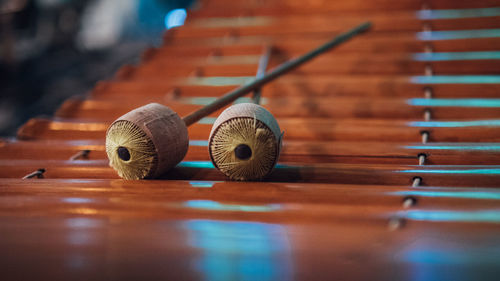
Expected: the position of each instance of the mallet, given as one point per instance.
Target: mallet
(148, 141)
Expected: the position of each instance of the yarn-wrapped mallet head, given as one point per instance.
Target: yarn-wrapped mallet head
(150, 140)
(245, 142)
(146, 142)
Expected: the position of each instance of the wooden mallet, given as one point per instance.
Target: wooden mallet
(148, 141)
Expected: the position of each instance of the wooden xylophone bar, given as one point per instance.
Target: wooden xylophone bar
(390, 167)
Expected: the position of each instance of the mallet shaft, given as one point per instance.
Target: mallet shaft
(261, 71)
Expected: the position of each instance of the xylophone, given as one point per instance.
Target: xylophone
(389, 168)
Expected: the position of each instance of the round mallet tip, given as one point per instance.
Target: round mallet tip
(245, 142)
(146, 142)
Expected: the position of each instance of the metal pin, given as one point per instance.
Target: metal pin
(38, 174)
(176, 93)
(427, 114)
(428, 48)
(421, 159)
(395, 223)
(416, 182)
(425, 137)
(409, 201)
(233, 35)
(428, 92)
(198, 72)
(426, 27)
(216, 53)
(83, 154)
(173, 94)
(428, 70)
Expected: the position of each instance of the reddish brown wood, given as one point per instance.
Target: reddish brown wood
(334, 107)
(283, 7)
(333, 65)
(374, 43)
(348, 198)
(304, 25)
(456, 175)
(338, 85)
(295, 129)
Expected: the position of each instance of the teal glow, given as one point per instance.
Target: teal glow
(207, 121)
(490, 216)
(284, 166)
(77, 200)
(457, 34)
(456, 79)
(238, 250)
(263, 100)
(196, 164)
(216, 206)
(479, 147)
(451, 194)
(83, 222)
(217, 22)
(175, 18)
(198, 143)
(455, 124)
(208, 100)
(455, 102)
(219, 80)
(486, 171)
(457, 13)
(200, 100)
(450, 56)
(230, 60)
(203, 184)
(428, 259)
(209, 165)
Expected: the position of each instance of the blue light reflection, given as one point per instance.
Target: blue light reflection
(487, 171)
(203, 184)
(175, 18)
(217, 206)
(456, 79)
(457, 13)
(219, 80)
(77, 200)
(207, 121)
(449, 56)
(198, 143)
(196, 164)
(83, 222)
(454, 102)
(457, 34)
(237, 250)
(479, 147)
(450, 194)
(488, 216)
(208, 100)
(455, 124)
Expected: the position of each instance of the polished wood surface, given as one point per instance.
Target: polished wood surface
(390, 167)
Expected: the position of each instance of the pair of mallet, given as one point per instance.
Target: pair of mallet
(244, 143)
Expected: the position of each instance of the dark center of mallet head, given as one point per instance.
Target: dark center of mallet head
(243, 151)
(123, 153)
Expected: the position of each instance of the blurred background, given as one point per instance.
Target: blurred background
(53, 49)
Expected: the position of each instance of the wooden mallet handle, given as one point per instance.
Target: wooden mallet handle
(271, 75)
